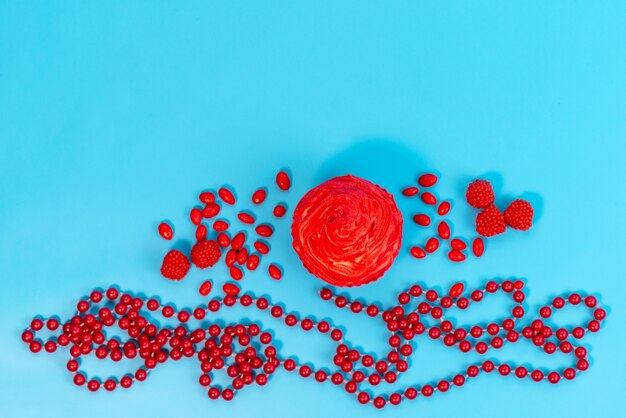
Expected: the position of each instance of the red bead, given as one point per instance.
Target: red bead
(553, 377)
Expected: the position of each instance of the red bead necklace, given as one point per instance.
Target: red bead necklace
(247, 356)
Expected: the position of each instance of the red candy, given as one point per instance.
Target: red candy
(220, 225)
(259, 196)
(478, 247)
(275, 272)
(246, 218)
(421, 219)
(207, 197)
(279, 211)
(283, 181)
(196, 216)
(264, 230)
(236, 273)
(443, 230)
(456, 290)
(429, 198)
(205, 288)
(205, 254)
(443, 208)
(253, 262)
(456, 256)
(261, 247)
(490, 222)
(238, 240)
(519, 215)
(223, 240)
(431, 245)
(175, 265)
(211, 210)
(231, 289)
(417, 252)
(165, 230)
(457, 244)
(480, 194)
(226, 195)
(427, 180)
(410, 191)
(201, 232)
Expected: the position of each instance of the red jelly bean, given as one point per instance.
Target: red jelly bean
(261, 247)
(431, 245)
(207, 197)
(226, 195)
(264, 230)
(236, 273)
(421, 219)
(253, 262)
(246, 218)
(196, 216)
(242, 256)
(223, 240)
(456, 256)
(259, 196)
(279, 211)
(478, 247)
(238, 240)
(211, 210)
(458, 244)
(427, 180)
(231, 257)
(444, 208)
(205, 288)
(410, 191)
(417, 252)
(201, 232)
(220, 225)
(456, 290)
(429, 198)
(231, 289)
(443, 230)
(283, 181)
(166, 231)
(275, 272)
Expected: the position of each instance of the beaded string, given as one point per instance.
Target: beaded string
(247, 356)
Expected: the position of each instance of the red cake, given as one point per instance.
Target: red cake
(347, 231)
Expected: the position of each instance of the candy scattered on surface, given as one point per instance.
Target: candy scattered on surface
(175, 265)
(226, 195)
(478, 247)
(443, 229)
(519, 215)
(279, 211)
(443, 208)
(410, 191)
(165, 230)
(428, 198)
(490, 222)
(205, 288)
(347, 231)
(205, 253)
(427, 180)
(480, 194)
(421, 219)
(283, 181)
(259, 196)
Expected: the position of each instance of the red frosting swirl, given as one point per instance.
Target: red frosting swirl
(347, 231)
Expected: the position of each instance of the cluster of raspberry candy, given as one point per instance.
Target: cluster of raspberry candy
(244, 351)
(206, 252)
(490, 221)
(457, 245)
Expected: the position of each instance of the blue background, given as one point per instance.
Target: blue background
(114, 115)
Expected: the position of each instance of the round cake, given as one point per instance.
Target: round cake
(347, 231)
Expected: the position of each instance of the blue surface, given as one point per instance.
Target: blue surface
(113, 116)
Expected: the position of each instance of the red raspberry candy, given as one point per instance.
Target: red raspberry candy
(479, 194)
(519, 215)
(490, 222)
(205, 254)
(175, 265)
